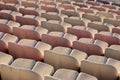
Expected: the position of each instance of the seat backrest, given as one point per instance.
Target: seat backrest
(101, 71)
(13, 73)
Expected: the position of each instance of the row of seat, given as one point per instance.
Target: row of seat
(32, 49)
(21, 67)
(28, 69)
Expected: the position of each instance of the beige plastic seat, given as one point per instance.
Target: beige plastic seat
(84, 76)
(5, 58)
(7, 26)
(91, 17)
(30, 20)
(26, 69)
(90, 46)
(52, 26)
(115, 63)
(5, 39)
(27, 48)
(82, 32)
(99, 69)
(29, 32)
(54, 16)
(112, 22)
(113, 52)
(59, 39)
(100, 26)
(63, 57)
(63, 74)
(70, 13)
(110, 38)
(104, 15)
(75, 21)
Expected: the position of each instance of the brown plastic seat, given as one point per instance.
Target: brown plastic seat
(113, 52)
(59, 39)
(7, 26)
(63, 57)
(66, 6)
(7, 7)
(92, 3)
(22, 68)
(28, 11)
(114, 11)
(98, 8)
(27, 48)
(5, 39)
(110, 38)
(116, 30)
(80, 4)
(29, 4)
(29, 32)
(48, 3)
(49, 9)
(10, 1)
(82, 32)
(30, 20)
(90, 46)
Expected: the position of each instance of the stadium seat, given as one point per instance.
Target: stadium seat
(5, 58)
(110, 38)
(59, 39)
(63, 57)
(30, 20)
(98, 68)
(55, 25)
(90, 46)
(112, 22)
(113, 52)
(76, 21)
(59, 74)
(100, 26)
(29, 32)
(5, 39)
(116, 30)
(26, 69)
(82, 32)
(27, 48)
